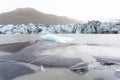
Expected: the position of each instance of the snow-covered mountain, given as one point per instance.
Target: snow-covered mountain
(92, 27)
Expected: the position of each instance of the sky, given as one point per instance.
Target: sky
(78, 9)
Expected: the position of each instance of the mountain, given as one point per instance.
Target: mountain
(30, 15)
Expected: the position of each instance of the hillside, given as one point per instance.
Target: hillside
(30, 15)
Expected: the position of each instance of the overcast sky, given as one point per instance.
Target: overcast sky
(78, 9)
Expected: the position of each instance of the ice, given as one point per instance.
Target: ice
(55, 38)
(87, 59)
(102, 51)
(4, 53)
(86, 28)
(42, 68)
(12, 69)
(61, 54)
(95, 65)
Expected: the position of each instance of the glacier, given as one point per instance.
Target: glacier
(91, 27)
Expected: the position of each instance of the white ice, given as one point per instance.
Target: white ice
(42, 68)
(55, 38)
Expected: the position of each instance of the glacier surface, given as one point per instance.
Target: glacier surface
(91, 27)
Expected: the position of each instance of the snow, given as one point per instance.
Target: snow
(55, 38)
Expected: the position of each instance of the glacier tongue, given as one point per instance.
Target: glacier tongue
(91, 27)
